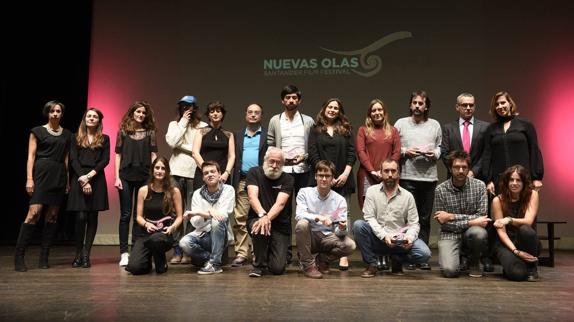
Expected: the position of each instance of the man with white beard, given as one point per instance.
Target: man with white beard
(269, 222)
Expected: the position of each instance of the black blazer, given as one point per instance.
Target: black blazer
(239, 136)
(452, 140)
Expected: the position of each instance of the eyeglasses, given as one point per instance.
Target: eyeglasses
(466, 105)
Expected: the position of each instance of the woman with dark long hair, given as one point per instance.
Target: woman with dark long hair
(46, 182)
(514, 212)
(136, 149)
(331, 139)
(159, 214)
(89, 155)
(508, 141)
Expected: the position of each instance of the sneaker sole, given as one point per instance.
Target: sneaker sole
(209, 273)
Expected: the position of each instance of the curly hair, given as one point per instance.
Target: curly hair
(341, 125)
(128, 124)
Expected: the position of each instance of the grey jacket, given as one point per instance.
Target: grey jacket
(274, 129)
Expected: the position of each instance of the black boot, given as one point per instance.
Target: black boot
(47, 239)
(26, 232)
(79, 234)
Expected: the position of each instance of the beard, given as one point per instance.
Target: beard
(390, 183)
(271, 173)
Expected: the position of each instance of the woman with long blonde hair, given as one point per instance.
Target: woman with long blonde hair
(376, 141)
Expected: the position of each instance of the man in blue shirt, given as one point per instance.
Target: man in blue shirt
(250, 148)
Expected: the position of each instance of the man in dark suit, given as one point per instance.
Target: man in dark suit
(465, 134)
(250, 148)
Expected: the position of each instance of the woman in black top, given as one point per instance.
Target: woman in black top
(135, 150)
(514, 211)
(159, 212)
(509, 141)
(214, 143)
(331, 139)
(89, 155)
(46, 182)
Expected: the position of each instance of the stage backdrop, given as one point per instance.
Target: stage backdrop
(247, 51)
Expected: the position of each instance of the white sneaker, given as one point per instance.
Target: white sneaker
(124, 259)
(209, 269)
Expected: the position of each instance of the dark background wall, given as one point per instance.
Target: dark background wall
(161, 51)
(46, 56)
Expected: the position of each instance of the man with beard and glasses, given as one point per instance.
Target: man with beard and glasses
(390, 225)
(460, 207)
(421, 139)
(269, 220)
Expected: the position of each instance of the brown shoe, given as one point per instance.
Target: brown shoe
(239, 261)
(312, 272)
(176, 259)
(323, 267)
(370, 271)
(185, 260)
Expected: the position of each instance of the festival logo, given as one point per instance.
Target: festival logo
(364, 62)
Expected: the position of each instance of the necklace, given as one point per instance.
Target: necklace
(56, 132)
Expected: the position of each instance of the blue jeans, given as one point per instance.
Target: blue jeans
(127, 207)
(371, 246)
(206, 247)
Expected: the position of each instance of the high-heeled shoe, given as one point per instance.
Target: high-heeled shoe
(78, 261)
(343, 267)
(86, 262)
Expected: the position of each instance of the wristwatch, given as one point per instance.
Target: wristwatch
(261, 214)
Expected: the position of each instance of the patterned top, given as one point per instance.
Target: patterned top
(466, 204)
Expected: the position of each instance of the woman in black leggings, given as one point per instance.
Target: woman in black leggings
(89, 155)
(514, 211)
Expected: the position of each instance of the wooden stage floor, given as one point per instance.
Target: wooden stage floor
(106, 292)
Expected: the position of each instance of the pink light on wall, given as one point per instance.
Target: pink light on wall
(556, 126)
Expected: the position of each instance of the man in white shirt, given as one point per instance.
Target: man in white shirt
(321, 224)
(212, 204)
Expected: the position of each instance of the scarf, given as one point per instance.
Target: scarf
(211, 197)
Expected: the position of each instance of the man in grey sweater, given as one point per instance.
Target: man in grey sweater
(421, 139)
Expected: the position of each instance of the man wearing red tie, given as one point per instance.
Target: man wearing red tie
(467, 134)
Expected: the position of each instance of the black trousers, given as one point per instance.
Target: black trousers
(514, 267)
(270, 251)
(423, 192)
(146, 247)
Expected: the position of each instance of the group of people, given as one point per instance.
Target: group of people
(219, 186)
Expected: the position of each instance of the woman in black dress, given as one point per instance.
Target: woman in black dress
(331, 139)
(89, 155)
(46, 182)
(136, 148)
(214, 143)
(508, 141)
(159, 214)
(514, 212)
